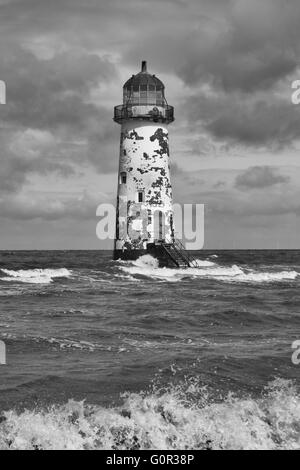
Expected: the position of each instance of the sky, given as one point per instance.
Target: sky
(228, 67)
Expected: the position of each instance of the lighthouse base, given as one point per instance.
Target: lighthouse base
(169, 255)
(128, 255)
(156, 250)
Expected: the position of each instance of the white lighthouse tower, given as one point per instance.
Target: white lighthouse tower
(144, 206)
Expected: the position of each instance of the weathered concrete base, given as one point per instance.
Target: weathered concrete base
(154, 250)
(129, 255)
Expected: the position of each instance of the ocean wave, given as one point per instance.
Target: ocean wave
(65, 344)
(90, 346)
(35, 276)
(148, 266)
(267, 276)
(182, 417)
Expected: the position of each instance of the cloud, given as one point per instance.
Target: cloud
(258, 191)
(253, 47)
(49, 207)
(48, 124)
(28, 152)
(235, 204)
(232, 45)
(227, 66)
(260, 177)
(235, 47)
(55, 93)
(264, 120)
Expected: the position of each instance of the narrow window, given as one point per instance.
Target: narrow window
(141, 196)
(123, 177)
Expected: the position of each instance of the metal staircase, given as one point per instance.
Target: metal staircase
(180, 257)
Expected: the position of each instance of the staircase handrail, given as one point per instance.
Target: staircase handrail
(191, 259)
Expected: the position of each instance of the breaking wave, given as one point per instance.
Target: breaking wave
(35, 276)
(181, 417)
(148, 266)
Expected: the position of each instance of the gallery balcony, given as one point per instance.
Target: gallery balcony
(163, 114)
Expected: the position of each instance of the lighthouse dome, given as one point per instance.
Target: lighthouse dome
(144, 98)
(144, 78)
(144, 88)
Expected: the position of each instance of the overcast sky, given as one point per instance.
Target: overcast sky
(228, 66)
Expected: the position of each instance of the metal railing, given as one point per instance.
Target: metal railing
(191, 259)
(161, 114)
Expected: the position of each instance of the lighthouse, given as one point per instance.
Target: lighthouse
(144, 215)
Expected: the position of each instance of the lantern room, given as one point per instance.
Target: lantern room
(144, 98)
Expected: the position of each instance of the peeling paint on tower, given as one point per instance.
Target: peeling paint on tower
(144, 169)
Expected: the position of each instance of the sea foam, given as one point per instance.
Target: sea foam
(183, 417)
(35, 276)
(148, 266)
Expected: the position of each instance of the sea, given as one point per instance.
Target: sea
(104, 354)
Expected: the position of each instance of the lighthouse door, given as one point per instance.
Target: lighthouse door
(161, 235)
(159, 229)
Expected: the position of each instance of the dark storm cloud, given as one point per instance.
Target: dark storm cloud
(243, 51)
(49, 124)
(260, 177)
(235, 46)
(53, 53)
(253, 52)
(52, 96)
(47, 94)
(266, 120)
(253, 49)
